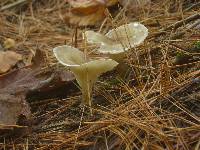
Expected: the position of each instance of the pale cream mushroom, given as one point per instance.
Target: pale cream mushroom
(86, 71)
(118, 40)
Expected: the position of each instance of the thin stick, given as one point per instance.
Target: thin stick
(83, 109)
(192, 6)
(13, 4)
(106, 141)
(181, 22)
(76, 37)
(4, 144)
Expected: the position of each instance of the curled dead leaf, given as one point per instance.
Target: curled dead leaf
(13, 89)
(87, 12)
(8, 59)
(85, 3)
(29, 58)
(88, 3)
(134, 3)
(85, 20)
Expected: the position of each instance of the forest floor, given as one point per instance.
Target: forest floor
(154, 106)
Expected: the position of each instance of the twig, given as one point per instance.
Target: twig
(195, 24)
(192, 6)
(180, 49)
(13, 4)
(83, 109)
(181, 22)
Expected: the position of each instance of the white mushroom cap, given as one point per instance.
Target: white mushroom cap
(97, 38)
(120, 39)
(86, 72)
(69, 56)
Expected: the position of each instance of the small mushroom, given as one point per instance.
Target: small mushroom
(86, 71)
(118, 40)
(9, 43)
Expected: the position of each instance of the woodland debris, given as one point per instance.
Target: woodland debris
(8, 59)
(192, 6)
(13, 4)
(87, 12)
(135, 114)
(181, 22)
(134, 3)
(15, 85)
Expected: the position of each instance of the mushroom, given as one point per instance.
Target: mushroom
(86, 71)
(119, 40)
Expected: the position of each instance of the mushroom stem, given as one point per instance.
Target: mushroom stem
(88, 73)
(82, 77)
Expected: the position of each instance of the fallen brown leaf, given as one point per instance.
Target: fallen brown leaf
(15, 85)
(85, 20)
(87, 12)
(28, 59)
(13, 88)
(85, 3)
(8, 59)
(134, 3)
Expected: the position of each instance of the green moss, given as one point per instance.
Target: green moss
(197, 44)
(179, 54)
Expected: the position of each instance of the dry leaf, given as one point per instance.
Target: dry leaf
(28, 59)
(85, 20)
(134, 3)
(15, 86)
(11, 106)
(8, 59)
(85, 3)
(87, 12)
(89, 3)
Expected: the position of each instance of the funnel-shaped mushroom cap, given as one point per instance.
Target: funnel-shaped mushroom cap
(68, 56)
(120, 39)
(86, 72)
(97, 38)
